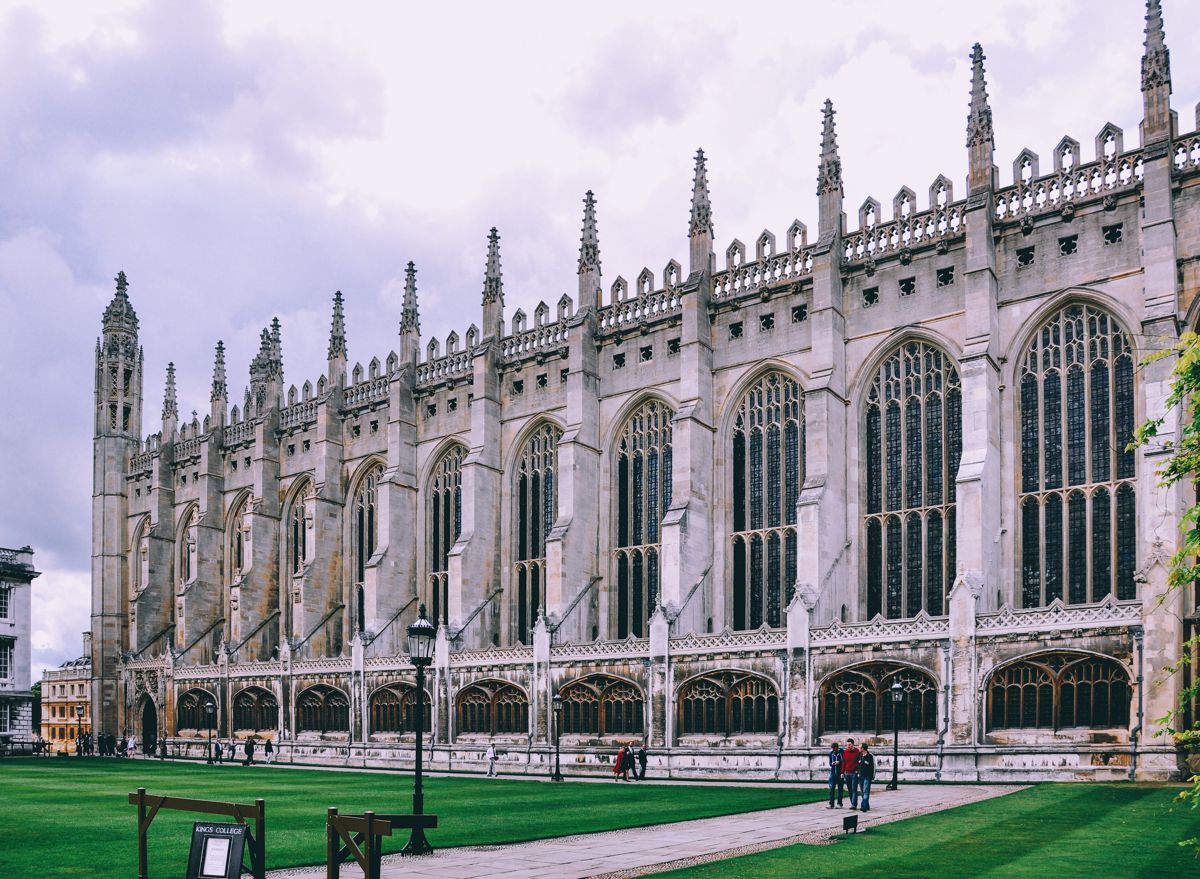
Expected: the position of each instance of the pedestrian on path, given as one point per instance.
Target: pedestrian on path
(642, 758)
(633, 761)
(217, 750)
(850, 771)
(835, 773)
(249, 752)
(269, 750)
(866, 775)
(491, 759)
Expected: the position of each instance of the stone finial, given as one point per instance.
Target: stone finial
(829, 171)
(1156, 60)
(979, 117)
(701, 217)
(410, 317)
(170, 403)
(119, 315)
(276, 347)
(337, 329)
(589, 241)
(220, 390)
(493, 287)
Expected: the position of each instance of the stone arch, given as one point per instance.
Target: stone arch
(322, 708)
(190, 712)
(1056, 689)
(255, 709)
(857, 699)
(491, 707)
(727, 702)
(391, 708)
(601, 705)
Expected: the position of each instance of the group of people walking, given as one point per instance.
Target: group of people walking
(228, 750)
(104, 745)
(631, 758)
(851, 769)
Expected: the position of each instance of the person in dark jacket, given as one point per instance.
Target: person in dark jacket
(642, 757)
(866, 775)
(269, 750)
(835, 773)
(249, 752)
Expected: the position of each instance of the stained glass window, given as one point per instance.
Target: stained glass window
(643, 494)
(913, 445)
(598, 705)
(768, 470)
(255, 709)
(365, 535)
(536, 490)
(393, 710)
(728, 704)
(493, 708)
(1059, 690)
(1078, 521)
(443, 526)
(859, 700)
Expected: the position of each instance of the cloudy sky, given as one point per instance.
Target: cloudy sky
(244, 160)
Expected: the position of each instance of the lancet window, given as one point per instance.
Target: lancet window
(859, 700)
(536, 491)
(299, 526)
(1078, 510)
(239, 541)
(188, 537)
(493, 708)
(393, 710)
(728, 704)
(322, 709)
(443, 526)
(768, 471)
(1059, 690)
(643, 494)
(366, 520)
(912, 446)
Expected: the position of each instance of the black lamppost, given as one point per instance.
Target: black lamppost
(897, 701)
(421, 635)
(79, 749)
(210, 711)
(557, 702)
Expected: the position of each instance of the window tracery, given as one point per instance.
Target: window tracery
(443, 526)
(393, 710)
(1077, 504)
(255, 709)
(536, 491)
(1059, 690)
(601, 706)
(859, 700)
(912, 448)
(767, 471)
(189, 710)
(322, 709)
(493, 708)
(643, 495)
(728, 704)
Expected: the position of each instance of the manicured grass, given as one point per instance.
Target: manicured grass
(1065, 831)
(67, 819)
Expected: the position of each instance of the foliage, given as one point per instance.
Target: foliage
(1182, 467)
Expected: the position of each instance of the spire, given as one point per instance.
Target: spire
(170, 405)
(220, 390)
(337, 330)
(276, 345)
(1156, 77)
(701, 219)
(410, 315)
(589, 241)
(981, 144)
(829, 171)
(493, 288)
(119, 315)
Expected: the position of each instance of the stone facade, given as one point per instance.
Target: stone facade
(16, 698)
(730, 509)
(64, 689)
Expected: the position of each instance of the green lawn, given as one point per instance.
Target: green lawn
(1065, 831)
(65, 819)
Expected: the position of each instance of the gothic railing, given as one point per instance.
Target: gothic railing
(767, 272)
(142, 463)
(298, 414)
(939, 223)
(188, 448)
(628, 647)
(1066, 188)
(9, 556)
(239, 433)
(1056, 616)
(541, 338)
(366, 392)
(458, 363)
(753, 639)
(517, 655)
(635, 310)
(1187, 153)
(880, 629)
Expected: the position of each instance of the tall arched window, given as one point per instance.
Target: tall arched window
(912, 447)
(1059, 690)
(188, 537)
(255, 709)
(365, 522)
(600, 706)
(493, 708)
(139, 562)
(728, 703)
(393, 710)
(239, 541)
(767, 470)
(322, 709)
(298, 528)
(536, 490)
(190, 712)
(443, 525)
(643, 494)
(859, 700)
(1078, 505)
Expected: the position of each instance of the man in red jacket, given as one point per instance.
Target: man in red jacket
(850, 770)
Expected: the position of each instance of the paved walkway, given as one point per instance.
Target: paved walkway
(645, 850)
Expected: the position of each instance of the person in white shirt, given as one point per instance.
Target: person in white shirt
(491, 758)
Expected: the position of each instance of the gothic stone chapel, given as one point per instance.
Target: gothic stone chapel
(890, 452)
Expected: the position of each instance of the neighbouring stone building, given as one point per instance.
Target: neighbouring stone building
(16, 698)
(725, 507)
(64, 690)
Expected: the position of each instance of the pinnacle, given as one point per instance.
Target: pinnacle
(337, 331)
(170, 405)
(119, 315)
(1156, 59)
(829, 171)
(493, 287)
(410, 315)
(220, 388)
(701, 216)
(979, 118)
(589, 240)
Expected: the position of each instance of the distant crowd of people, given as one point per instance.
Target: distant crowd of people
(227, 750)
(631, 758)
(851, 769)
(106, 745)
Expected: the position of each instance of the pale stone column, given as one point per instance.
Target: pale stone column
(440, 682)
(799, 697)
(541, 692)
(659, 697)
(358, 702)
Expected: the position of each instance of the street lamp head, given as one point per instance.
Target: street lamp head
(558, 702)
(79, 709)
(897, 692)
(210, 708)
(421, 636)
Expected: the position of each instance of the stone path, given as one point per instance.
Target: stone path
(641, 851)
